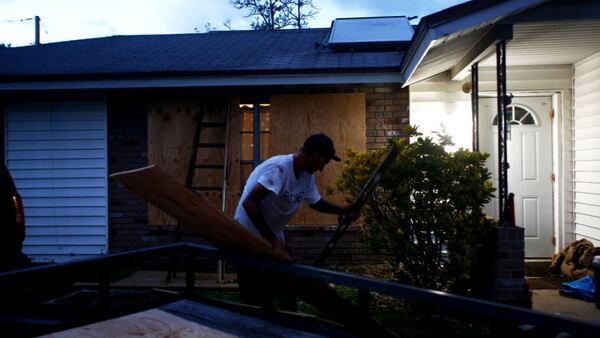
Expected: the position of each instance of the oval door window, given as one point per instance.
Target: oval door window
(518, 115)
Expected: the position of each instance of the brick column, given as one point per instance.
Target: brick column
(509, 282)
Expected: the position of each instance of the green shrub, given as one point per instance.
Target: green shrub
(429, 202)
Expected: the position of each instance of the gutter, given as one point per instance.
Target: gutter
(205, 81)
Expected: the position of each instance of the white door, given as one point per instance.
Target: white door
(529, 155)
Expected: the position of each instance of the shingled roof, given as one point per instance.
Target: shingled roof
(214, 53)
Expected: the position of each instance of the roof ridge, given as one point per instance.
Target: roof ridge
(125, 36)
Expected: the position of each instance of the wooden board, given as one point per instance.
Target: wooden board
(149, 323)
(193, 211)
(341, 116)
(191, 319)
(233, 183)
(171, 127)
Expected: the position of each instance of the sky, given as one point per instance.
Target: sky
(63, 20)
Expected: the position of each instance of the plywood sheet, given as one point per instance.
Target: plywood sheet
(171, 128)
(191, 319)
(235, 146)
(341, 116)
(150, 323)
(193, 211)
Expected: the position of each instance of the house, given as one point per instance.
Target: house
(552, 53)
(75, 111)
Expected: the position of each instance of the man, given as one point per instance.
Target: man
(277, 187)
(272, 195)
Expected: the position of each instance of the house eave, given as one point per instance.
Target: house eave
(204, 81)
(429, 31)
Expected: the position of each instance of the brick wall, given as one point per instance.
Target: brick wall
(127, 149)
(387, 113)
(306, 242)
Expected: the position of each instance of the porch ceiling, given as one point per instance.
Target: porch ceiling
(551, 43)
(533, 43)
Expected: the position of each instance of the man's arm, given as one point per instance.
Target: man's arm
(252, 207)
(331, 208)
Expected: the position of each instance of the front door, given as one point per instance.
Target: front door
(529, 155)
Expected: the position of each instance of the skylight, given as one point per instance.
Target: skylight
(376, 32)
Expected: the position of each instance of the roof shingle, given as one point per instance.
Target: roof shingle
(282, 51)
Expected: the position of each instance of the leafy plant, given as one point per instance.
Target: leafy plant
(427, 214)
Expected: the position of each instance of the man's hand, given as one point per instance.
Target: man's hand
(331, 208)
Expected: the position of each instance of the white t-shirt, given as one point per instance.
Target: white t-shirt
(285, 196)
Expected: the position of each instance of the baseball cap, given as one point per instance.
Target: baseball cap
(321, 144)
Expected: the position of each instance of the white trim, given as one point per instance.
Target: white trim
(578, 63)
(416, 55)
(207, 81)
(557, 168)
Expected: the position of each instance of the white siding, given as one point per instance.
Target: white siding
(56, 153)
(586, 149)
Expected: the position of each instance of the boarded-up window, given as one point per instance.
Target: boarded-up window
(285, 123)
(341, 116)
(171, 128)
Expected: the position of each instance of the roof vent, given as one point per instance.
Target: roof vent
(388, 32)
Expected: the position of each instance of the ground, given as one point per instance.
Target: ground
(546, 297)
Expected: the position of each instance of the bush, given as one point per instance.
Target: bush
(426, 216)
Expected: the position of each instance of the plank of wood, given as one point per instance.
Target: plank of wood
(150, 323)
(193, 211)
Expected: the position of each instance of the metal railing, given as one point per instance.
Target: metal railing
(102, 266)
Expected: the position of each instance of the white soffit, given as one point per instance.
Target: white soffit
(393, 29)
(441, 33)
(562, 42)
(551, 43)
(443, 57)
